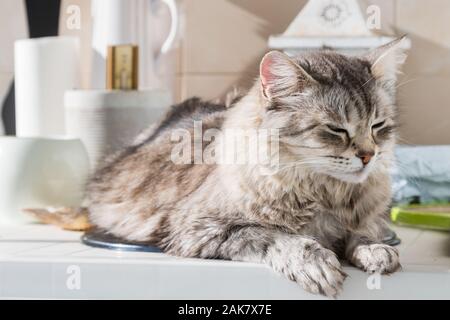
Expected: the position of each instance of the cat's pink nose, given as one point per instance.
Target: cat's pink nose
(365, 156)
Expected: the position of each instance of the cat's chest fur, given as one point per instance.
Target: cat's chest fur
(314, 205)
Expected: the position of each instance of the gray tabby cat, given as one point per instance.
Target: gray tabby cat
(336, 117)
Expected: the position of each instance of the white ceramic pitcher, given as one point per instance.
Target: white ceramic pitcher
(138, 22)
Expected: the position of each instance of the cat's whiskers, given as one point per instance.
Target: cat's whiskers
(406, 82)
(312, 162)
(405, 141)
(367, 82)
(301, 146)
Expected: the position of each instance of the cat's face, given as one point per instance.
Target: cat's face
(336, 114)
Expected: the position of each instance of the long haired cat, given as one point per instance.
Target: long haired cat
(335, 116)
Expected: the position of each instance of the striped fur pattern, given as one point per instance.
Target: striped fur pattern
(326, 200)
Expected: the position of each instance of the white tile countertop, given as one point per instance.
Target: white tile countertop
(38, 261)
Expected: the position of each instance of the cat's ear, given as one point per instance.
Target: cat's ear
(281, 76)
(386, 60)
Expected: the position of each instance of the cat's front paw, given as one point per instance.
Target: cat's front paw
(314, 267)
(322, 273)
(376, 258)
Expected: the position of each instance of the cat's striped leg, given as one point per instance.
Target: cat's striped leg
(307, 262)
(298, 258)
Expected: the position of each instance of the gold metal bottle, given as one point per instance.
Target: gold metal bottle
(122, 67)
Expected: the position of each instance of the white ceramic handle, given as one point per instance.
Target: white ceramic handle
(167, 45)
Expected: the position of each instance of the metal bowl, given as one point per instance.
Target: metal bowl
(101, 239)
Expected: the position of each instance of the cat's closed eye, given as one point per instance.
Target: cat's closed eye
(337, 130)
(378, 125)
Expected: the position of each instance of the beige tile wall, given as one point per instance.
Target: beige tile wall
(223, 40)
(425, 96)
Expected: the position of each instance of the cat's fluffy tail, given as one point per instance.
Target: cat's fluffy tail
(68, 218)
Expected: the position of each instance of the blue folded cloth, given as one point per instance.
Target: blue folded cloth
(422, 173)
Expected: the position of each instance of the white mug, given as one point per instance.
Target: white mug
(40, 172)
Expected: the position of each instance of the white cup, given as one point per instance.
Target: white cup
(40, 172)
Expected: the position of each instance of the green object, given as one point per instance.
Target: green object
(436, 216)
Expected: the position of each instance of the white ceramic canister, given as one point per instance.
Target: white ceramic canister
(108, 120)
